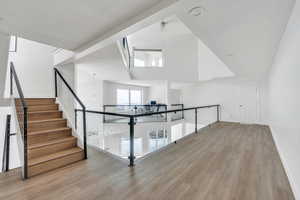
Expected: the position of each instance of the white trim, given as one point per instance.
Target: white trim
(285, 165)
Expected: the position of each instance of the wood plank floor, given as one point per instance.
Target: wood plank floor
(224, 162)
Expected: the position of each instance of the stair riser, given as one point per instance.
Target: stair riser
(54, 164)
(35, 102)
(43, 108)
(43, 116)
(40, 126)
(49, 149)
(33, 139)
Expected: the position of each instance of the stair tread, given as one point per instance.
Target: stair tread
(46, 120)
(39, 98)
(42, 105)
(49, 131)
(60, 154)
(55, 141)
(44, 111)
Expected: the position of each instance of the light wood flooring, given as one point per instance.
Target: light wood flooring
(226, 161)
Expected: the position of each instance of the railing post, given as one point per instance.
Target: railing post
(75, 119)
(25, 144)
(84, 132)
(218, 113)
(196, 126)
(11, 81)
(55, 82)
(131, 155)
(6, 147)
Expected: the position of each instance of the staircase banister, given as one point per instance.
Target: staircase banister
(69, 87)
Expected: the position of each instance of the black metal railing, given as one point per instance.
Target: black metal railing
(6, 146)
(133, 110)
(57, 73)
(132, 121)
(22, 112)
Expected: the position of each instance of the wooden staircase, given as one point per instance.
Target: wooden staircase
(50, 141)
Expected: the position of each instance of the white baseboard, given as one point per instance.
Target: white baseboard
(285, 165)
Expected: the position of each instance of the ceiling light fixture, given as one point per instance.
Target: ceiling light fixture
(196, 11)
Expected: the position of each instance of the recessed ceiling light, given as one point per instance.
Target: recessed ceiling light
(229, 55)
(196, 11)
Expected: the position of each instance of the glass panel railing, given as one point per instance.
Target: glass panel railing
(177, 115)
(136, 139)
(134, 110)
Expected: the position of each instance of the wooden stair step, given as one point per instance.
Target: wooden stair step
(53, 161)
(39, 101)
(40, 115)
(57, 141)
(48, 135)
(46, 107)
(49, 147)
(40, 125)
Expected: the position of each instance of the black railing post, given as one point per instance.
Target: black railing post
(75, 119)
(196, 119)
(8, 142)
(218, 113)
(84, 132)
(55, 82)
(6, 147)
(131, 155)
(25, 144)
(11, 82)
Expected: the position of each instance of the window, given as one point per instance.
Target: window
(129, 97)
(148, 58)
(13, 44)
(123, 97)
(135, 97)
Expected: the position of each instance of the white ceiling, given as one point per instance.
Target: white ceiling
(70, 24)
(243, 34)
(154, 36)
(105, 64)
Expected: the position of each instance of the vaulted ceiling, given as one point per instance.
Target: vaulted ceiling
(242, 34)
(71, 24)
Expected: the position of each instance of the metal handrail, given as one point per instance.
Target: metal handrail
(6, 146)
(56, 72)
(14, 76)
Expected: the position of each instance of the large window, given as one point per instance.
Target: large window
(148, 58)
(129, 97)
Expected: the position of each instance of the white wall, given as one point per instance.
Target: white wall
(4, 47)
(210, 66)
(66, 99)
(284, 99)
(158, 92)
(239, 99)
(180, 58)
(110, 92)
(175, 96)
(89, 89)
(34, 65)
